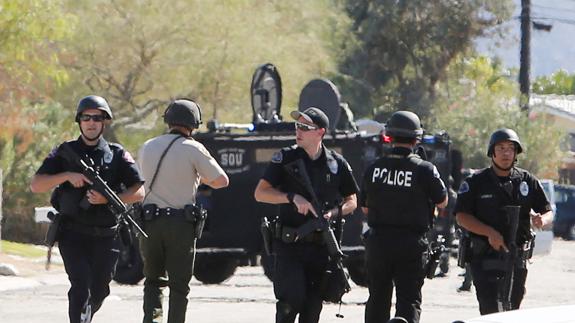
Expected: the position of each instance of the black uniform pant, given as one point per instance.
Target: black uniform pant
(299, 270)
(486, 283)
(89, 263)
(394, 257)
(169, 249)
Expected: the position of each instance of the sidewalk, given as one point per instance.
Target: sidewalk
(31, 272)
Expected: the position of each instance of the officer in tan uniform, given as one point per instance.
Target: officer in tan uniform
(174, 165)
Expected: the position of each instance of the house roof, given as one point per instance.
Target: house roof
(562, 106)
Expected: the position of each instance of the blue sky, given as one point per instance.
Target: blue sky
(550, 51)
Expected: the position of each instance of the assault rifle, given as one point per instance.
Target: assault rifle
(335, 283)
(505, 283)
(297, 170)
(115, 204)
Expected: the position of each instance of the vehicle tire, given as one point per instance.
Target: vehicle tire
(570, 233)
(213, 268)
(357, 271)
(130, 266)
(268, 264)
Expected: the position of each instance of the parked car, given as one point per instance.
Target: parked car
(544, 236)
(564, 223)
(549, 188)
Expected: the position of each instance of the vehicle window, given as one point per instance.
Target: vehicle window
(546, 189)
(560, 196)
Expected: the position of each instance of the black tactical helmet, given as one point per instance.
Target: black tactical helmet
(404, 124)
(504, 135)
(183, 112)
(93, 102)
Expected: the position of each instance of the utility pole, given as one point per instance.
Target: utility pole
(525, 54)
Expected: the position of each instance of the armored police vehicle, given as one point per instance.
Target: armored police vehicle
(232, 231)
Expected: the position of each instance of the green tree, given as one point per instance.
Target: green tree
(478, 98)
(49, 124)
(29, 63)
(403, 48)
(29, 29)
(559, 82)
(30, 34)
(139, 54)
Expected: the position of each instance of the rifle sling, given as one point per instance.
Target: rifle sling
(160, 164)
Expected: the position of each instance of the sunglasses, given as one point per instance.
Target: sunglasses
(95, 117)
(304, 127)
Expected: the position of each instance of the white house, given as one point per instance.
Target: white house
(561, 109)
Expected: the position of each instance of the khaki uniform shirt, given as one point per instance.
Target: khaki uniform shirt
(179, 176)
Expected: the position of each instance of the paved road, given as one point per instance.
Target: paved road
(248, 296)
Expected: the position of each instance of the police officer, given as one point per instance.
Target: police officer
(479, 210)
(398, 194)
(88, 239)
(174, 165)
(300, 264)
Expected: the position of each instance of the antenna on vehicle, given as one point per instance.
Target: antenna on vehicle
(266, 94)
(322, 94)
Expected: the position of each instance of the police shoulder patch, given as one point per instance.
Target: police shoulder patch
(277, 157)
(464, 188)
(128, 157)
(54, 152)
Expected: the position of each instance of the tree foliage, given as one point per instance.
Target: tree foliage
(50, 125)
(141, 53)
(404, 47)
(31, 34)
(29, 62)
(560, 82)
(476, 99)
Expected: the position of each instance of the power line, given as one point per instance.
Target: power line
(554, 8)
(557, 19)
(562, 20)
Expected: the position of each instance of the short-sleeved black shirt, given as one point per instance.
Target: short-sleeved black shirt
(401, 190)
(114, 164)
(482, 195)
(330, 174)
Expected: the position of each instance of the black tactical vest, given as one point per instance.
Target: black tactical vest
(69, 200)
(492, 197)
(395, 195)
(325, 178)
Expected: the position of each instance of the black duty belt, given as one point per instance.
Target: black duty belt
(169, 212)
(90, 229)
(152, 211)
